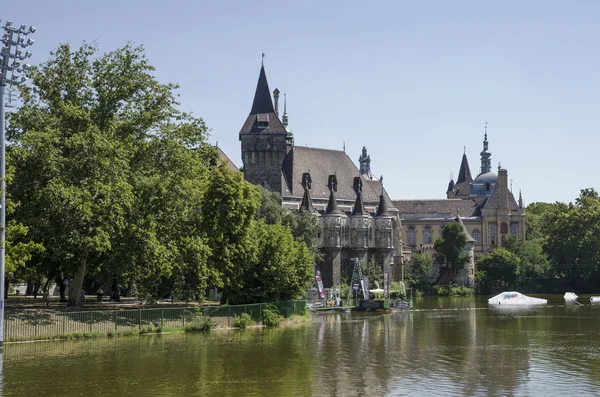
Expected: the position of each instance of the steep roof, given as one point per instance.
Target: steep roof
(321, 163)
(493, 202)
(223, 159)
(263, 110)
(426, 209)
(382, 209)
(470, 238)
(306, 204)
(332, 207)
(464, 175)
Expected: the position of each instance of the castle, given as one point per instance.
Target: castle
(356, 216)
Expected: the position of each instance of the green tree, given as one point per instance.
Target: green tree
(279, 269)
(104, 167)
(534, 263)
(498, 271)
(228, 210)
(450, 246)
(573, 240)
(374, 272)
(421, 267)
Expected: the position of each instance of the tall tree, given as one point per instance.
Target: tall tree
(498, 271)
(450, 246)
(103, 166)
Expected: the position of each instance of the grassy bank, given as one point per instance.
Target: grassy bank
(199, 324)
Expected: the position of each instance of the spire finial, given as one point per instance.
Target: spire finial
(464, 150)
(262, 62)
(511, 185)
(485, 128)
(284, 119)
(344, 146)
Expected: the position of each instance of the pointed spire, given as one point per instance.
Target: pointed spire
(306, 204)
(450, 186)
(520, 199)
(332, 207)
(284, 119)
(359, 205)
(486, 161)
(262, 96)
(382, 209)
(464, 175)
(459, 220)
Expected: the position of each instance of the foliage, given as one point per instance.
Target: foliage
(304, 225)
(452, 290)
(200, 323)
(374, 272)
(271, 316)
(242, 321)
(421, 267)
(104, 171)
(573, 242)
(498, 270)
(449, 247)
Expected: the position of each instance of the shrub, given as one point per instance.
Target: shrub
(200, 323)
(241, 321)
(271, 316)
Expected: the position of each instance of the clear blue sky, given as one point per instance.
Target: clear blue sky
(412, 81)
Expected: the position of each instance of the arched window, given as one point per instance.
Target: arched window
(411, 236)
(493, 234)
(427, 235)
(477, 236)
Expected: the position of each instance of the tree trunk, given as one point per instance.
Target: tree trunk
(36, 289)
(61, 288)
(78, 277)
(29, 288)
(6, 286)
(115, 295)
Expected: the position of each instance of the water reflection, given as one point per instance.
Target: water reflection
(465, 348)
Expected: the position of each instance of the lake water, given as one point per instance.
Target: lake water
(448, 346)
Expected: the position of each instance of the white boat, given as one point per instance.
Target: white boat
(595, 299)
(514, 298)
(570, 296)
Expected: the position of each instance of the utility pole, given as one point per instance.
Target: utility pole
(13, 38)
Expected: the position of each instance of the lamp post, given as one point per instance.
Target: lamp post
(13, 38)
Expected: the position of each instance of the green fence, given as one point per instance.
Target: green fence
(18, 327)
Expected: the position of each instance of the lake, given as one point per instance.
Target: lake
(447, 346)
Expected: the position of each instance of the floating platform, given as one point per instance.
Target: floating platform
(514, 298)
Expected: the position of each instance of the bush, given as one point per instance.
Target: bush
(271, 316)
(241, 321)
(200, 323)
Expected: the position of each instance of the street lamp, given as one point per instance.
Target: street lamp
(10, 68)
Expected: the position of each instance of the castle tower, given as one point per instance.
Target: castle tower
(332, 224)
(486, 156)
(263, 138)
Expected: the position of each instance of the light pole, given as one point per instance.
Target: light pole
(14, 38)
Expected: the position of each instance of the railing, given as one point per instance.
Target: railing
(20, 327)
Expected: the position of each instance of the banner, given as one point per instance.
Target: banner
(386, 285)
(319, 284)
(356, 276)
(365, 287)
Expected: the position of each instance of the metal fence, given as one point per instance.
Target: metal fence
(19, 327)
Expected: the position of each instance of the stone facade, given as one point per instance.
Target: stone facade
(356, 217)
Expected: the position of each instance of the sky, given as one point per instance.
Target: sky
(413, 81)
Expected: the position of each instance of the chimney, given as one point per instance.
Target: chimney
(276, 97)
(503, 188)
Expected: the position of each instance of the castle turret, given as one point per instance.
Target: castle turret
(264, 140)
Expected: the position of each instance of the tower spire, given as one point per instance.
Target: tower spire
(285, 116)
(486, 156)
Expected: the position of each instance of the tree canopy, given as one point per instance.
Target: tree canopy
(115, 183)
